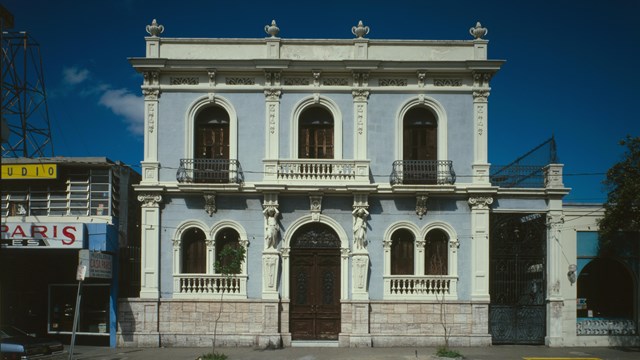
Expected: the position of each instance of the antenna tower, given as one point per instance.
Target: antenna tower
(24, 100)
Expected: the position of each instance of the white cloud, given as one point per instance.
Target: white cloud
(74, 75)
(128, 105)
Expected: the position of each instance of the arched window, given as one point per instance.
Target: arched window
(436, 253)
(225, 238)
(315, 134)
(194, 252)
(212, 134)
(420, 134)
(402, 248)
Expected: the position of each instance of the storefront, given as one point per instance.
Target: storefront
(38, 265)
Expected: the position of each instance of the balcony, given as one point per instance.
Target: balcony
(415, 287)
(317, 171)
(208, 285)
(422, 172)
(210, 171)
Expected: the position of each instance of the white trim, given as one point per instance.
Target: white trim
(441, 118)
(190, 118)
(337, 124)
(344, 249)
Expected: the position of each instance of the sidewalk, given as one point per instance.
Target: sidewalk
(301, 353)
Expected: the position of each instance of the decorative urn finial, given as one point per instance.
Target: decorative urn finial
(272, 29)
(478, 31)
(154, 29)
(360, 31)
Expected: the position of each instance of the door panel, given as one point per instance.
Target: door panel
(315, 294)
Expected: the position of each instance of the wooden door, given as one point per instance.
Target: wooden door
(315, 294)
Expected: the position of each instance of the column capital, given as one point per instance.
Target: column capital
(480, 202)
(150, 199)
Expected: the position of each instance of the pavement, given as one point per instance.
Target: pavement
(520, 352)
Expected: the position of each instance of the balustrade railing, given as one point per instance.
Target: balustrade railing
(200, 285)
(319, 170)
(209, 171)
(421, 286)
(423, 172)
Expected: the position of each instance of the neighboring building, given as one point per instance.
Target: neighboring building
(604, 282)
(52, 208)
(355, 173)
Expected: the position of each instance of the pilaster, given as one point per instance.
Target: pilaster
(480, 119)
(555, 274)
(150, 245)
(480, 247)
(360, 109)
(150, 164)
(272, 102)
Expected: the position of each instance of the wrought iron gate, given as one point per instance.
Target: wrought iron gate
(517, 313)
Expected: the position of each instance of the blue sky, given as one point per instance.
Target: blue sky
(570, 66)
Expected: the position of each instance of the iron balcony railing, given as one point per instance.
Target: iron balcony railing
(222, 171)
(423, 172)
(518, 176)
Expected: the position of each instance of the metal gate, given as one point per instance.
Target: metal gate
(517, 313)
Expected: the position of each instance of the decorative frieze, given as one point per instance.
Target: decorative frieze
(335, 82)
(447, 82)
(316, 77)
(240, 81)
(296, 81)
(184, 80)
(392, 82)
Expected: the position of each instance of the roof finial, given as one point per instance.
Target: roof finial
(272, 29)
(154, 29)
(478, 31)
(360, 31)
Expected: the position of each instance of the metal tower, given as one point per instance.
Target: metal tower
(23, 95)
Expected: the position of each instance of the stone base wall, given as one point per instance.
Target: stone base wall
(264, 323)
(406, 323)
(144, 323)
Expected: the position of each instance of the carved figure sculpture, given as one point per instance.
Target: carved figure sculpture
(359, 227)
(271, 230)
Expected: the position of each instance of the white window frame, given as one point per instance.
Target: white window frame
(190, 120)
(441, 118)
(333, 108)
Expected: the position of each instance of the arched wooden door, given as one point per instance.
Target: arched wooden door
(315, 284)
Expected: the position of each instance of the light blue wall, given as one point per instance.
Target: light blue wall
(172, 113)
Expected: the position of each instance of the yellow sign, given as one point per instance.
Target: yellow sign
(29, 171)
